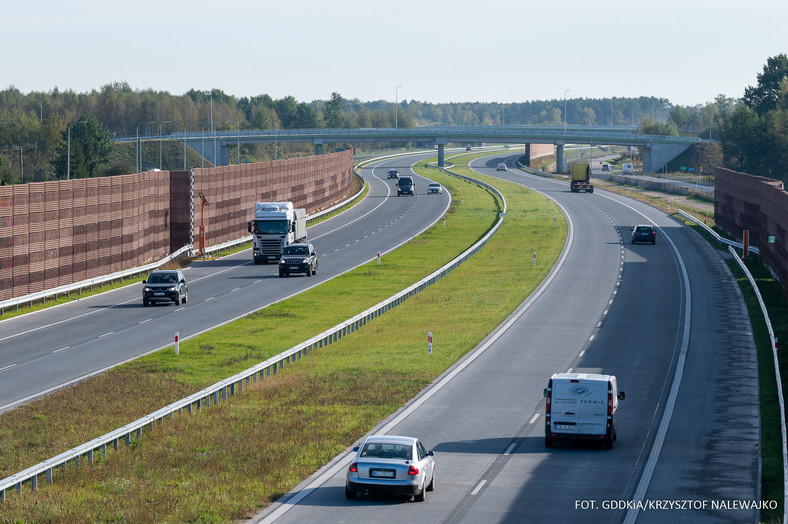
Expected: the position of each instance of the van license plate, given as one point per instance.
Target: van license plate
(565, 426)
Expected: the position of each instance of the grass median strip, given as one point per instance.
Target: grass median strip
(228, 461)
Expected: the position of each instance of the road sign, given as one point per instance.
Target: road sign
(772, 240)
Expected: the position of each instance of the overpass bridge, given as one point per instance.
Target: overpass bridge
(657, 150)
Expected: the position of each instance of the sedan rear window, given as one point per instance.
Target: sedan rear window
(380, 450)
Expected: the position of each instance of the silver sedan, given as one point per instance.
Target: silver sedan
(393, 465)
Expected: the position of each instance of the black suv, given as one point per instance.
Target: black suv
(644, 233)
(393, 173)
(298, 258)
(165, 286)
(405, 185)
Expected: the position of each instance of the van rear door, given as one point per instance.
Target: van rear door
(579, 406)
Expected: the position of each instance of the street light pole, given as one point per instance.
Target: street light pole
(68, 155)
(160, 126)
(139, 155)
(396, 105)
(565, 91)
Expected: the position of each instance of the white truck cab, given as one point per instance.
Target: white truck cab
(581, 406)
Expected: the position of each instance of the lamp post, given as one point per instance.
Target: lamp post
(68, 155)
(276, 140)
(139, 149)
(565, 91)
(160, 126)
(396, 105)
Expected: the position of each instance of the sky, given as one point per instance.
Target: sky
(687, 51)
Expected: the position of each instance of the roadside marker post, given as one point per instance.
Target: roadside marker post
(429, 342)
(177, 342)
(378, 257)
(534, 258)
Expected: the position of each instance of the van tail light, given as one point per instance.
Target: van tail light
(353, 467)
(413, 470)
(610, 403)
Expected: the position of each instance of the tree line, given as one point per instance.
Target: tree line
(38, 127)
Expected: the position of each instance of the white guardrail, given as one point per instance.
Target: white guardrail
(716, 235)
(776, 358)
(232, 385)
(731, 246)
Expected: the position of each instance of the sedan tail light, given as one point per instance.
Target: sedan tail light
(413, 470)
(353, 467)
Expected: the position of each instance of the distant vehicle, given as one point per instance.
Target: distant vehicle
(627, 168)
(581, 406)
(644, 233)
(606, 167)
(581, 176)
(405, 185)
(392, 465)
(500, 167)
(467, 148)
(393, 173)
(435, 187)
(165, 286)
(298, 258)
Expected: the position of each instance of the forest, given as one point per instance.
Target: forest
(41, 131)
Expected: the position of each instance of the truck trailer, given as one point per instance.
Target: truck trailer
(581, 176)
(275, 225)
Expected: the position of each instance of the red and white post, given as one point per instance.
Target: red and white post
(177, 342)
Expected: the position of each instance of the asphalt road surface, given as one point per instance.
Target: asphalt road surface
(667, 319)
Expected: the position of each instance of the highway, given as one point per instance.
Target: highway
(667, 319)
(44, 351)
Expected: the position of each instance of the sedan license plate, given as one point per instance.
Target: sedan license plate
(293, 268)
(570, 427)
(382, 473)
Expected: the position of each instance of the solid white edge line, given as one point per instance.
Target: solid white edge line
(473, 355)
(659, 439)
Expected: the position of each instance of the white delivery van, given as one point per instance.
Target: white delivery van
(581, 406)
(627, 168)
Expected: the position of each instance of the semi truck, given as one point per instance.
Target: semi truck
(581, 176)
(275, 225)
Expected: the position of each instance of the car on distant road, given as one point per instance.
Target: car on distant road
(393, 173)
(644, 233)
(500, 167)
(435, 187)
(405, 185)
(393, 465)
(165, 285)
(298, 258)
(606, 167)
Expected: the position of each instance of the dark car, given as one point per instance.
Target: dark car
(405, 186)
(298, 258)
(165, 285)
(393, 173)
(644, 233)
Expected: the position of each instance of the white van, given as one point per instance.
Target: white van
(581, 406)
(627, 168)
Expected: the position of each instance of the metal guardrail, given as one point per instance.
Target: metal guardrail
(777, 373)
(716, 235)
(231, 385)
(89, 283)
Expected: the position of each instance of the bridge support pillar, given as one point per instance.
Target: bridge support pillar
(527, 158)
(225, 155)
(318, 147)
(440, 154)
(559, 158)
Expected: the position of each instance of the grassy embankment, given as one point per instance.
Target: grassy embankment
(228, 461)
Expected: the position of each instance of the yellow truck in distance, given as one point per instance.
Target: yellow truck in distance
(580, 178)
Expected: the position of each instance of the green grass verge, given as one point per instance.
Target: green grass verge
(228, 461)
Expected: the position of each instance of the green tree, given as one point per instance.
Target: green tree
(333, 115)
(91, 146)
(763, 97)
